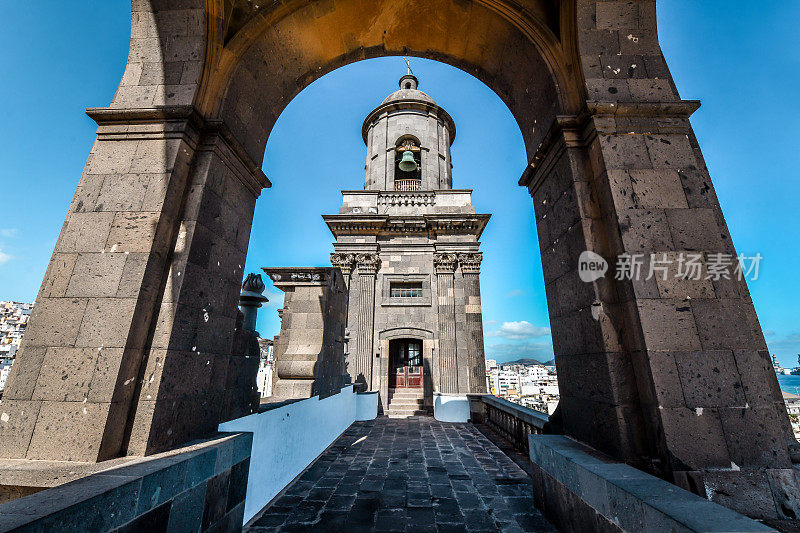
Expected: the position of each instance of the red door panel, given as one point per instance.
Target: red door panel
(406, 362)
(414, 377)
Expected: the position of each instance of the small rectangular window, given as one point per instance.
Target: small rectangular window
(405, 290)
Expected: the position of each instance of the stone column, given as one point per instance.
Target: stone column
(363, 334)
(130, 341)
(445, 266)
(470, 269)
(668, 372)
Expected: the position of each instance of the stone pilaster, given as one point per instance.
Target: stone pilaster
(470, 270)
(362, 368)
(345, 262)
(445, 266)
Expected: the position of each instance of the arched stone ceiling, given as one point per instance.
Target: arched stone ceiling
(260, 57)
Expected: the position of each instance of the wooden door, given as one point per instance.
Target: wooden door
(406, 364)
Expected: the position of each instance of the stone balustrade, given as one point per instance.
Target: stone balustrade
(513, 421)
(408, 185)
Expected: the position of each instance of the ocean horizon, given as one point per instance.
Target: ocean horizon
(789, 384)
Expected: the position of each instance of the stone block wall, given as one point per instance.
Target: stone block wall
(309, 353)
(200, 487)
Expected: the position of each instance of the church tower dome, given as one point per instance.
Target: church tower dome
(408, 138)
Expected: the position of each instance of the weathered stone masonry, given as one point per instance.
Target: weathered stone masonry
(161, 218)
(408, 229)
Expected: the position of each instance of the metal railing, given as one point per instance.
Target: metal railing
(408, 185)
(513, 421)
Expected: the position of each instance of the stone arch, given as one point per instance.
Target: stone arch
(407, 137)
(495, 44)
(671, 377)
(399, 333)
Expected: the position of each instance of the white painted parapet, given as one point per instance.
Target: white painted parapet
(450, 407)
(287, 439)
(366, 405)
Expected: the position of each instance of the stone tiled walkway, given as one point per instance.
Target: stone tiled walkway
(412, 474)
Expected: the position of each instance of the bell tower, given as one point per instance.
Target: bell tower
(407, 246)
(408, 140)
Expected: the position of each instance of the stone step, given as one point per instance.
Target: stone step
(409, 397)
(406, 401)
(405, 416)
(409, 393)
(405, 412)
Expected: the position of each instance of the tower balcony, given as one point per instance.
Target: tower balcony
(406, 201)
(408, 185)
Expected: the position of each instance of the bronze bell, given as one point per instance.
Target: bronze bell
(408, 163)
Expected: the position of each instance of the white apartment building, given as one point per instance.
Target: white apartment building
(265, 368)
(5, 369)
(536, 372)
(503, 381)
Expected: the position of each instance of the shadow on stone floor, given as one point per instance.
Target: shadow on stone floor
(413, 474)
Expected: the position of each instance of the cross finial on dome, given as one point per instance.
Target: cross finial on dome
(408, 81)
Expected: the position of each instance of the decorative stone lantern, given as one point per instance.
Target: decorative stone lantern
(250, 299)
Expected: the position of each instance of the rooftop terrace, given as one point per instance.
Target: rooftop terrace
(414, 474)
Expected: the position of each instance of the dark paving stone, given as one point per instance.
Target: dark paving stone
(333, 521)
(390, 520)
(420, 516)
(414, 475)
(340, 502)
(479, 521)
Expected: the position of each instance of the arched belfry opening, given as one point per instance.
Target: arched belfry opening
(614, 168)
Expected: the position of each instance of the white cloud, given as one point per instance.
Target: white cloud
(517, 292)
(519, 331)
(9, 232)
(790, 342)
(541, 351)
(275, 299)
(490, 322)
(4, 258)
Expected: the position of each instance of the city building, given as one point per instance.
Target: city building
(793, 408)
(13, 321)
(530, 385)
(778, 368)
(265, 368)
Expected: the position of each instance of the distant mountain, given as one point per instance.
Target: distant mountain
(528, 361)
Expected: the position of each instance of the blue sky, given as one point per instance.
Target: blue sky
(741, 60)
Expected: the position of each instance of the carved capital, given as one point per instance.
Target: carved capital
(368, 263)
(343, 261)
(470, 262)
(445, 263)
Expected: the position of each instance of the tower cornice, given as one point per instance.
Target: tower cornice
(423, 225)
(409, 104)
